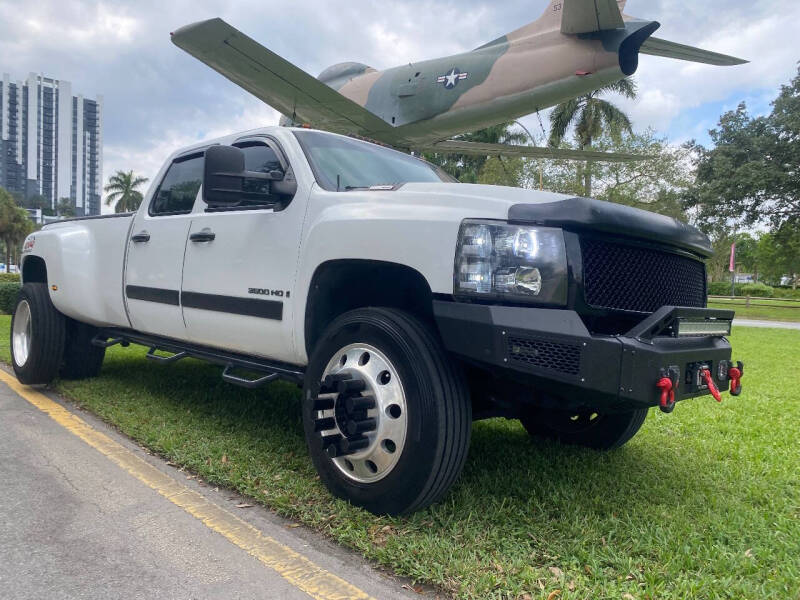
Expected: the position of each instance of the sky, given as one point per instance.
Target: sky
(158, 99)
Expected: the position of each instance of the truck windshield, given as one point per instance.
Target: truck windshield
(341, 163)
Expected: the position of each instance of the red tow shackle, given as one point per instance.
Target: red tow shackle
(667, 403)
(735, 375)
(706, 375)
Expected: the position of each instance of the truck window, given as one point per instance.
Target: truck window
(178, 189)
(260, 158)
(340, 163)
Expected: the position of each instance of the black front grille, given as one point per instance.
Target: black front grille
(634, 278)
(563, 358)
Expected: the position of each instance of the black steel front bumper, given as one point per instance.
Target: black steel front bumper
(553, 351)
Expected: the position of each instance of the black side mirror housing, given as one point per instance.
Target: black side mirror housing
(225, 179)
(223, 176)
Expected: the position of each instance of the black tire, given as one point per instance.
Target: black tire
(438, 411)
(589, 429)
(82, 359)
(45, 348)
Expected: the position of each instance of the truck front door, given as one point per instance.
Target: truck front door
(156, 248)
(240, 266)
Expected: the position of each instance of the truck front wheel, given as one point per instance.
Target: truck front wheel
(37, 336)
(587, 428)
(386, 413)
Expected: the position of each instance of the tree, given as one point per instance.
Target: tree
(15, 224)
(498, 170)
(657, 185)
(751, 174)
(122, 192)
(65, 207)
(467, 168)
(591, 116)
(780, 254)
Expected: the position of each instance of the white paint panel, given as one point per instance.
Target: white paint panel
(64, 139)
(85, 260)
(157, 263)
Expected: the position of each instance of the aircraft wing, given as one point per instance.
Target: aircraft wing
(486, 149)
(659, 47)
(276, 81)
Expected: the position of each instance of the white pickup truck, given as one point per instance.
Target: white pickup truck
(406, 304)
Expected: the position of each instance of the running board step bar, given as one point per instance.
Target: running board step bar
(151, 354)
(104, 342)
(250, 384)
(228, 360)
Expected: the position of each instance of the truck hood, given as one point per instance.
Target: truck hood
(560, 210)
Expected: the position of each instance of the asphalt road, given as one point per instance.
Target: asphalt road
(74, 524)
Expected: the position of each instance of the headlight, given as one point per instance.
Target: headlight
(495, 260)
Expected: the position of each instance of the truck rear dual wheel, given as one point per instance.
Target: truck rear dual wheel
(588, 428)
(46, 344)
(37, 336)
(386, 413)
(82, 359)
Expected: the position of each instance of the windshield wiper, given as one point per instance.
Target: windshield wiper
(384, 187)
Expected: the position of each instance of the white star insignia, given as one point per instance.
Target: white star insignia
(451, 78)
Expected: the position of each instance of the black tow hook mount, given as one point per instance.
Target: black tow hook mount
(668, 384)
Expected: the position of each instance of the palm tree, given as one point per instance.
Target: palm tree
(15, 225)
(591, 116)
(122, 191)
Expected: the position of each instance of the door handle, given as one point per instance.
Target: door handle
(140, 237)
(206, 235)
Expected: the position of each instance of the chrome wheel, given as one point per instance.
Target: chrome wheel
(21, 334)
(361, 413)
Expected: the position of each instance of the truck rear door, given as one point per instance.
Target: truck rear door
(240, 266)
(156, 248)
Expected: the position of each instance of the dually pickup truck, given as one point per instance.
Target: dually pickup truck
(406, 304)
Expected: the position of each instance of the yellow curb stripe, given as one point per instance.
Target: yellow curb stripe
(292, 566)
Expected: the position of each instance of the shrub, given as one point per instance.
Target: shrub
(787, 293)
(8, 277)
(757, 290)
(8, 296)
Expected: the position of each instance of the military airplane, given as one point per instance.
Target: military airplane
(575, 47)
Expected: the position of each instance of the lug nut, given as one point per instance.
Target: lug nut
(351, 386)
(324, 424)
(351, 446)
(324, 403)
(329, 384)
(330, 444)
(359, 403)
(354, 427)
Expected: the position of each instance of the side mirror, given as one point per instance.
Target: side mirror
(223, 176)
(226, 182)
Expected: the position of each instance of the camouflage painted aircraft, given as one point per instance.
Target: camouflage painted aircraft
(577, 46)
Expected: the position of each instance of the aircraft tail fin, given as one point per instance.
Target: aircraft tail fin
(572, 17)
(588, 16)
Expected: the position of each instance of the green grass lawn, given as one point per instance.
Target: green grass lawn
(703, 503)
(774, 312)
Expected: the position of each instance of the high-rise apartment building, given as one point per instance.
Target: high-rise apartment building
(51, 143)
